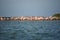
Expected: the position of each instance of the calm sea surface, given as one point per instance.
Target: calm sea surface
(30, 30)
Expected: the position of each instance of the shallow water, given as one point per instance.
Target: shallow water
(30, 30)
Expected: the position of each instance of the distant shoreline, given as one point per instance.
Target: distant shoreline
(29, 18)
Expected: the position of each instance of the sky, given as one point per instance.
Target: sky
(29, 7)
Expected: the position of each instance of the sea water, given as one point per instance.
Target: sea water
(30, 30)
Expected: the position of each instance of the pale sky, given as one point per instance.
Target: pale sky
(29, 7)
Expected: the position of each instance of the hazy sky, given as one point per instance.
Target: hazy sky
(29, 7)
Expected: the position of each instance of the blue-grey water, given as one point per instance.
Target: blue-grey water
(30, 30)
